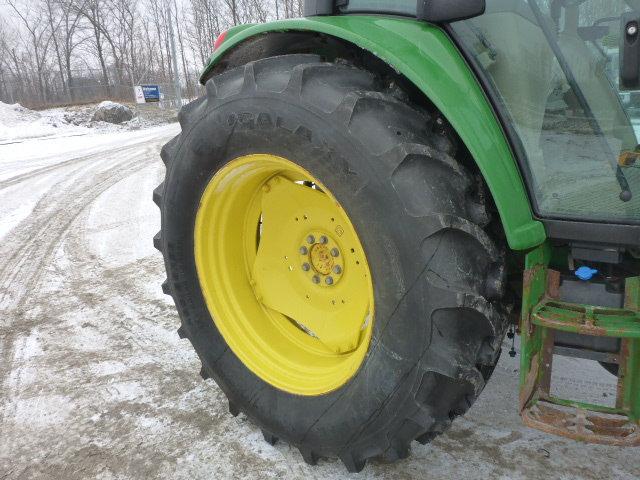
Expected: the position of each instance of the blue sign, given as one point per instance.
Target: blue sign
(151, 93)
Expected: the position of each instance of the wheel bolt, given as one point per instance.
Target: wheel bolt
(323, 239)
(315, 279)
(335, 252)
(303, 250)
(311, 239)
(329, 281)
(306, 267)
(337, 269)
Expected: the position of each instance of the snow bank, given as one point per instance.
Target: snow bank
(19, 123)
(16, 113)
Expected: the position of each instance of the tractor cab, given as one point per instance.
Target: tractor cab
(552, 70)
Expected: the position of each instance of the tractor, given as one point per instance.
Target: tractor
(367, 200)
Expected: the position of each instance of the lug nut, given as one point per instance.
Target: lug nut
(306, 267)
(329, 281)
(337, 269)
(303, 250)
(335, 252)
(315, 279)
(323, 239)
(311, 239)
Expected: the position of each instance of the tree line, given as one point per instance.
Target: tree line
(69, 51)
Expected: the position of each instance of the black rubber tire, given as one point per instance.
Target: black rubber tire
(438, 277)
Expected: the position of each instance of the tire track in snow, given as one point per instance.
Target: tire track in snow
(49, 168)
(29, 248)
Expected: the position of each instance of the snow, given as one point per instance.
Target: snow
(95, 383)
(108, 104)
(17, 123)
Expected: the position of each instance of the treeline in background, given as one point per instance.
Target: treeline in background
(63, 52)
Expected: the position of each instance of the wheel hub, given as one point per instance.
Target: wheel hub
(320, 258)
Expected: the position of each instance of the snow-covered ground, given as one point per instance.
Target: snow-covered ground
(18, 123)
(94, 382)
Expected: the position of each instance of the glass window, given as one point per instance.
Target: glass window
(553, 70)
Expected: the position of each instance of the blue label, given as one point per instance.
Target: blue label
(151, 93)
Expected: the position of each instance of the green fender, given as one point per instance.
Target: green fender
(426, 56)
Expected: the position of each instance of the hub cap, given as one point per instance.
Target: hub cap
(284, 274)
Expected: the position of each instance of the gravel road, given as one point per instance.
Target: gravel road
(94, 382)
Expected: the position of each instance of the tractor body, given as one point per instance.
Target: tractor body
(366, 200)
(534, 91)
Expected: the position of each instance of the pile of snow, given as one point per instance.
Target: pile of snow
(112, 112)
(16, 113)
(18, 123)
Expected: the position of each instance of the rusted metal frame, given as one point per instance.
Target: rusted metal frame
(587, 320)
(629, 375)
(534, 287)
(587, 354)
(582, 424)
(577, 420)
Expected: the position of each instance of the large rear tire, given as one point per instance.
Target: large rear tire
(419, 216)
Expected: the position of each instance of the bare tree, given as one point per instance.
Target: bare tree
(53, 19)
(39, 36)
(290, 8)
(94, 11)
(70, 17)
(203, 26)
(123, 41)
(63, 47)
(232, 6)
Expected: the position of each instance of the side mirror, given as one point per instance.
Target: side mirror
(630, 51)
(445, 11)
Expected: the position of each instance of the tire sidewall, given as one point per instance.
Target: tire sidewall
(273, 124)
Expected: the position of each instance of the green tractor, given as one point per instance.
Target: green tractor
(368, 199)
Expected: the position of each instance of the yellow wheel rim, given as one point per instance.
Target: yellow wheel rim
(284, 274)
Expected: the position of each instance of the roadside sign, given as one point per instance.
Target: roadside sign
(151, 93)
(147, 93)
(139, 94)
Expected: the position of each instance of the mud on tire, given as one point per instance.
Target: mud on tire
(438, 276)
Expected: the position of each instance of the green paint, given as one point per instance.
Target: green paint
(541, 316)
(613, 322)
(535, 284)
(426, 56)
(631, 370)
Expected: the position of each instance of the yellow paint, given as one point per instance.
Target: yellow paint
(321, 259)
(284, 274)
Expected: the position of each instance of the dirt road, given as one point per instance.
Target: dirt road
(96, 384)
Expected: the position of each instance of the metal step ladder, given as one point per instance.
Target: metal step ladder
(543, 317)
